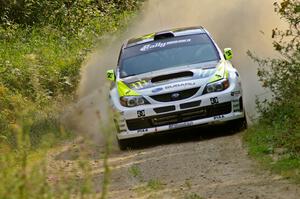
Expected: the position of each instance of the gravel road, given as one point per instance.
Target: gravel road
(199, 163)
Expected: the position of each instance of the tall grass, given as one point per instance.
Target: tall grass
(275, 138)
(40, 60)
(42, 47)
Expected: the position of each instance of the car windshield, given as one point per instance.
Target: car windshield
(167, 53)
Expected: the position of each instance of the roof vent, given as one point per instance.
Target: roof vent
(163, 35)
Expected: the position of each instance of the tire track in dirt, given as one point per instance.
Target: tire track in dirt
(209, 162)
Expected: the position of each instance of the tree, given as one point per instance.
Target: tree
(280, 116)
(282, 75)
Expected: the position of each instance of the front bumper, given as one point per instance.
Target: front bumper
(208, 109)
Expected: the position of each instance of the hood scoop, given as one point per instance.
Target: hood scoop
(163, 78)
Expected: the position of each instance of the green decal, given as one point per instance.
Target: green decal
(228, 53)
(226, 74)
(124, 90)
(139, 84)
(149, 36)
(111, 75)
(221, 73)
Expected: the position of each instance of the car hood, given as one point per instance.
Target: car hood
(173, 79)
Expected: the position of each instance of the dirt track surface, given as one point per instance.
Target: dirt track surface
(203, 163)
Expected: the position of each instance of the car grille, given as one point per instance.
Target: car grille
(190, 104)
(182, 116)
(175, 96)
(164, 109)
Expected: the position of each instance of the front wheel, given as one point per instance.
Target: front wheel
(123, 144)
(239, 124)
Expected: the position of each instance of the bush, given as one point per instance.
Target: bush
(42, 47)
(275, 138)
(71, 15)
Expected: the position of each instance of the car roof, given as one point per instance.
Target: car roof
(154, 36)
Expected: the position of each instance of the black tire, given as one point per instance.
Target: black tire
(123, 144)
(239, 124)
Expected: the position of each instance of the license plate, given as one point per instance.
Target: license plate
(180, 125)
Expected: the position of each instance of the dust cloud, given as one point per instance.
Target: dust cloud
(240, 24)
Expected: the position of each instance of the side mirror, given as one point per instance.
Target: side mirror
(228, 53)
(111, 75)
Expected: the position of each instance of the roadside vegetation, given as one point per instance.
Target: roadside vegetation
(275, 138)
(42, 47)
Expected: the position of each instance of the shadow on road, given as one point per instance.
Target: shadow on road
(194, 134)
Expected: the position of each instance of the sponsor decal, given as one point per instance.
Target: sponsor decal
(218, 117)
(110, 75)
(139, 84)
(141, 113)
(142, 130)
(204, 73)
(163, 44)
(236, 105)
(235, 93)
(214, 100)
(157, 90)
(178, 85)
(181, 125)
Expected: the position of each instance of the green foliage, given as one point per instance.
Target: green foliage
(192, 196)
(276, 136)
(155, 184)
(135, 171)
(282, 75)
(71, 16)
(25, 173)
(42, 47)
(276, 146)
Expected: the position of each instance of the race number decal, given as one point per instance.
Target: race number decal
(141, 113)
(214, 100)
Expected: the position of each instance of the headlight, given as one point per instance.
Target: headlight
(132, 101)
(216, 86)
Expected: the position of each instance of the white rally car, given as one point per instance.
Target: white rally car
(173, 79)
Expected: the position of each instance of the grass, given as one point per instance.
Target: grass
(135, 171)
(188, 184)
(192, 196)
(274, 140)
(155, 184)
(150, 189)
(40, 64)
(39, 75)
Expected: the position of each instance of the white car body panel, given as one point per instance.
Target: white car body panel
(232, 97)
